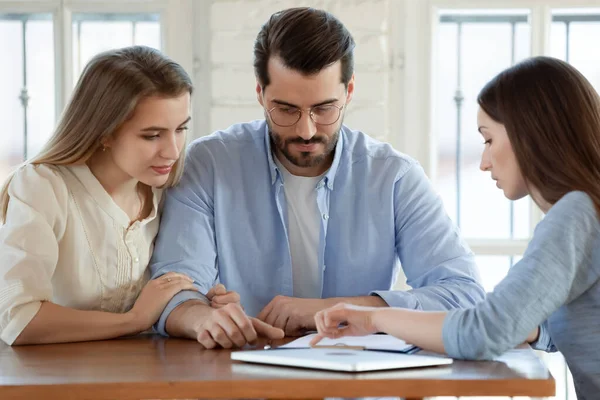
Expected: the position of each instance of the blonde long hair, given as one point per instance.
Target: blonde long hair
(105, 96)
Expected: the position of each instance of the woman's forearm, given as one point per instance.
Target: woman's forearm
(57, 324)
(420, 328)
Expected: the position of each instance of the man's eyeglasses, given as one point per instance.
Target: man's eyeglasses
(286, 116)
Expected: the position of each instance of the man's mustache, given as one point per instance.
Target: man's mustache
(299, 140)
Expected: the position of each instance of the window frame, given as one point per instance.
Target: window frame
(422, 20)
(176, 20)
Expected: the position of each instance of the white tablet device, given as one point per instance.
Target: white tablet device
(338, 360)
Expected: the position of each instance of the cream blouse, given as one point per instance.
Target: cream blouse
(66, 241)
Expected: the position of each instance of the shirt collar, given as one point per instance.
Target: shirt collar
(105, 201)
(272, 166)
(329, 176)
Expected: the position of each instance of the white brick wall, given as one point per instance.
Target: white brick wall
(233, 28)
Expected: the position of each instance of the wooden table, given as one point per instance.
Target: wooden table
(151, 367)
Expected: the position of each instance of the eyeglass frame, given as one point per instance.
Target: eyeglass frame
(310, 113)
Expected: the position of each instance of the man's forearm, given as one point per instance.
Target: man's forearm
(185, 319)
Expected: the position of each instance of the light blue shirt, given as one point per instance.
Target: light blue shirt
(556, 284)
(227, 222)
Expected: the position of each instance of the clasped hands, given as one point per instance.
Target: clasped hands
(227, 325)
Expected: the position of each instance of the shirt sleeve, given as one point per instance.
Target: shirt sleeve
(544, 341)
(186, 239)
(557, 267)
(35, 220)
(437, 263)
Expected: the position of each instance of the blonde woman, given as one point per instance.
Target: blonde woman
(79, 219)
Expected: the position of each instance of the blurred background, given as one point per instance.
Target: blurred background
(419, 67)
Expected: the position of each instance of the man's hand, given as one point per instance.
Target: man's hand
(293, 315)
(228, 326)
(219, 296)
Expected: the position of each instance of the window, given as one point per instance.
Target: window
(470, 196)
(570, 40)
(94, 33)
(494, 269)
(34, 91)
(27, 97)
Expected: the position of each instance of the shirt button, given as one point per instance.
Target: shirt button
(325, 217)
(136, 259)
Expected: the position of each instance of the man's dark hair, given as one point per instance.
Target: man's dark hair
(306, 40)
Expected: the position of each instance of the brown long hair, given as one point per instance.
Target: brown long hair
(307, 40)
(552, 117)
(105, 96)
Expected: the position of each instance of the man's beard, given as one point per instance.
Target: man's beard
(304, 159)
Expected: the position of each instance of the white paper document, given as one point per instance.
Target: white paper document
(369, 342)
(339, 359)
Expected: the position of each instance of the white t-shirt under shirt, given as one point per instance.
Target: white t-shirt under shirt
(304, 231)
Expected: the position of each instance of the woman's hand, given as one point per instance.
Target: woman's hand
(344, 320)
(156, 295)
